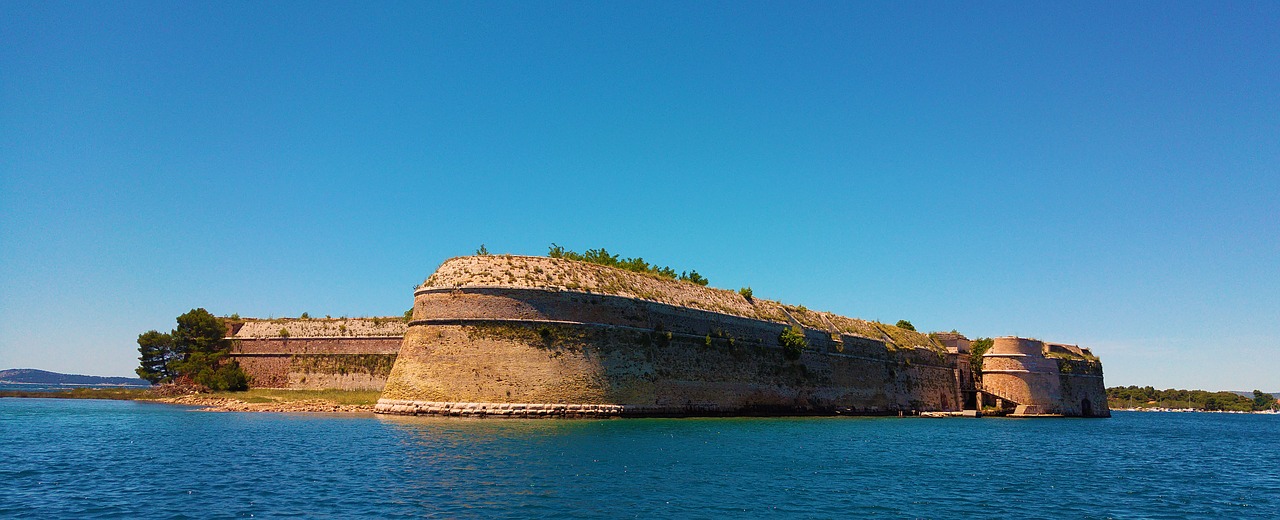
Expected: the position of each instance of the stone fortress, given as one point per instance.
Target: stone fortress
(342, 353)
(521, 336)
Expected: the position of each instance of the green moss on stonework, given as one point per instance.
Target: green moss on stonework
(378, 365)
(547, 335)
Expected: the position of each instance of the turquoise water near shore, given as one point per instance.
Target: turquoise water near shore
(63, 458)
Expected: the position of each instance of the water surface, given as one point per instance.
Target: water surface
(62, 458)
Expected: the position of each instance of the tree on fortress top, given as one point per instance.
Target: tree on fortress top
(977, 348)
(637, 264)
(192, 350)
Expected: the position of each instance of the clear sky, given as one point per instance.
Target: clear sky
(1106, 174)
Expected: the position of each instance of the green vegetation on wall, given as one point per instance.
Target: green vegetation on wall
(977, 348)
(378, 365)
(636, 264)
(793, 342)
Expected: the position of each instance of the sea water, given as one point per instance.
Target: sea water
(63, 458)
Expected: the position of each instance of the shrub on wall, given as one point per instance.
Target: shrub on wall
(637, 265)
(977, 348)
(793, 342)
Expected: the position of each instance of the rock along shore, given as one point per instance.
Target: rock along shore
(221, 404)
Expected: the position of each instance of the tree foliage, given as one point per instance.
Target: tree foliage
(1146, 396)
(193, 349)
(977, 348)
(793, 342)
(636, 264)
(1264, 401)
(904, 324)
(157, 353)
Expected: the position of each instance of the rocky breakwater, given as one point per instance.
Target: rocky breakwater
(514, 336)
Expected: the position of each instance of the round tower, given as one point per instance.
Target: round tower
(1015, 369)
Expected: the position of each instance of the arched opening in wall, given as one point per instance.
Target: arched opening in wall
(1086, 408)
(946, 403)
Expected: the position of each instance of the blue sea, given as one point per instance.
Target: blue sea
(63, 458)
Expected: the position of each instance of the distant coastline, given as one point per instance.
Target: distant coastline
(1195, 410)
(36, 377)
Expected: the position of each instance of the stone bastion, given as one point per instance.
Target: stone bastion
(517, 336)
(1045, 379)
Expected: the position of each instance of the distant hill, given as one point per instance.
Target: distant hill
(44, 377)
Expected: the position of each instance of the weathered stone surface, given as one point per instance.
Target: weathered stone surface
(1017, 370)
(482, 333)
(340, 353)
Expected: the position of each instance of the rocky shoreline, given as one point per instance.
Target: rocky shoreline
(221, 404)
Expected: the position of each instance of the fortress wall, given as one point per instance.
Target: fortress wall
(1016, 369)
(265, 371)
(1081, 382)
(518, 351)
(543, 305)
(1023, 381)
(643, 373)
(540, 273)
(513, 303)
(346, 363)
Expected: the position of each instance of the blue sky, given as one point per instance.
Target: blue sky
(1097, 173)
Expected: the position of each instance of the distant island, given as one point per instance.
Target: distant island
(31, 376)
(1149, 398)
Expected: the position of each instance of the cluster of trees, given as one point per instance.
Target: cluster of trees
(1146, 396)
(193, 351)
(637, 264)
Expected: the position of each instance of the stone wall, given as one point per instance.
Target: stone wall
(1018, 371)
(317, 353)
(484, 340)
(1083, 392)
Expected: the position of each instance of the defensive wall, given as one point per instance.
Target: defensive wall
(317, 353)
(1049, 379)
(534, 336)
